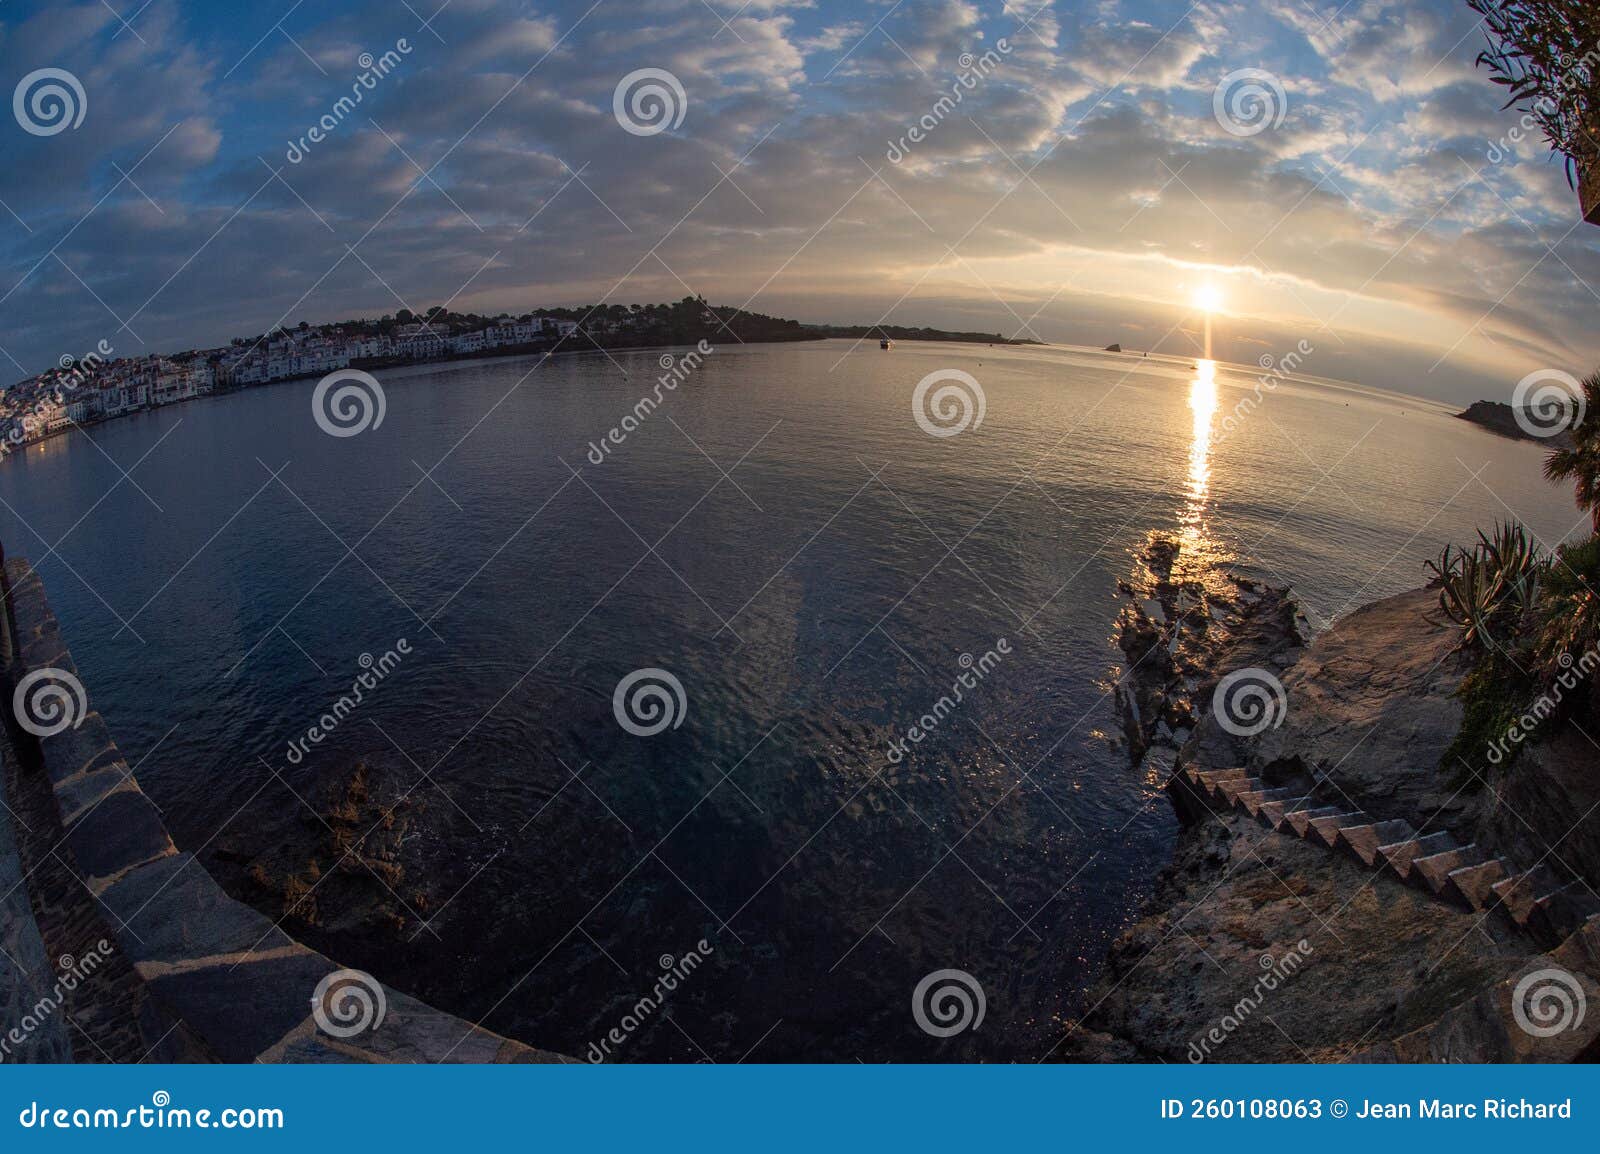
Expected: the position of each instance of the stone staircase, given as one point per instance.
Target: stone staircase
(1536, 901)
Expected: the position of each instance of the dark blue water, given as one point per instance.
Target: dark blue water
(531, 862)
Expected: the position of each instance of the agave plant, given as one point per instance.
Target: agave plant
(1491, 589)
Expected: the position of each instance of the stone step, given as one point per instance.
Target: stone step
(1520, 894)
(1255, 799)
(1473, 885)
(1299, 820)
(1433, 871)
(1363, 840)
(1325, 830)
(1232, 789)
(1567, 911)
(1401, 855)
(1207, 780)
(1274, 814)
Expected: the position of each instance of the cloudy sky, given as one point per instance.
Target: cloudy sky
(1083, 189)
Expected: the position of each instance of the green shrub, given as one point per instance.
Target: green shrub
(1567, 645)
(1493, 696)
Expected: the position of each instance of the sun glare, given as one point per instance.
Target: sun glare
(1208, 298)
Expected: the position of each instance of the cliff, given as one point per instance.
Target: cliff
(1339, 892)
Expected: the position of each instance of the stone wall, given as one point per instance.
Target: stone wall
(31, 1029)
(233, 984)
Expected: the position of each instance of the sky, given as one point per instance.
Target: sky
(1340, 177)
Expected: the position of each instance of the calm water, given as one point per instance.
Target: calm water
(810, 612)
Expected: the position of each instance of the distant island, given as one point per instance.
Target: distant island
(1499, 417)
(100, 386)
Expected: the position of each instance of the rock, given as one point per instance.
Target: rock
(1531, 804)
(1383, 959)
(1161, 760)
(1083, 1045)
(1485, 1028)
(1169, 668)
(1381, 681)
(1500, 418)
(1113, 348)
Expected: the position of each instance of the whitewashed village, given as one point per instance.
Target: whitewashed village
(99, 386)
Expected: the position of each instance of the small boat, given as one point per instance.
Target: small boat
(886, 343)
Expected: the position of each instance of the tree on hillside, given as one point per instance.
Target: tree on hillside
(1546, 54)
(1580, 464)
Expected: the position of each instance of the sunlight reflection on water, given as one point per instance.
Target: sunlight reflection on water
(1203, 405)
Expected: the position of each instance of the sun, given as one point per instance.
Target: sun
(1208, 298)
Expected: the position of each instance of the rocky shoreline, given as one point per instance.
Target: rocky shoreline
(1184, 625)
(1275, 937)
